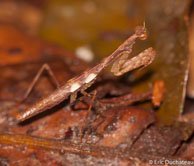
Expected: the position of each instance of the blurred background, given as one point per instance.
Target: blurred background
(93, 27)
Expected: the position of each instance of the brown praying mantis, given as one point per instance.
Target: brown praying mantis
(121, 65)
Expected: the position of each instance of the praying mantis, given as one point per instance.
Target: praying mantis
(121, 65)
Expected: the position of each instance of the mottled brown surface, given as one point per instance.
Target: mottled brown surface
(159, 141)
(187, 150)
(122, 126)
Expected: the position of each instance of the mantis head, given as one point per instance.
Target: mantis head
(140, 32)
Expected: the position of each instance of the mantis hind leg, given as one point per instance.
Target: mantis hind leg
(45, 67)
